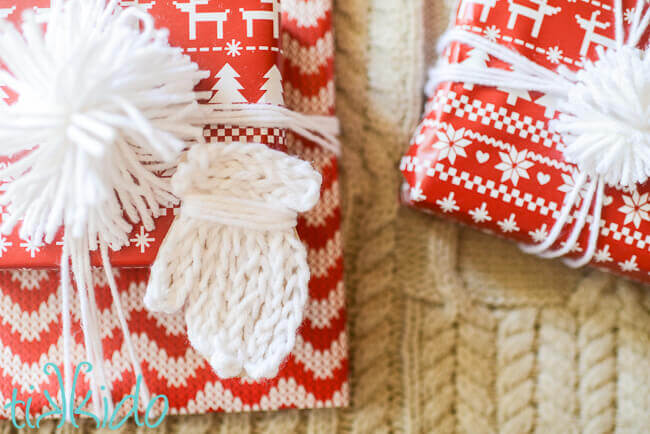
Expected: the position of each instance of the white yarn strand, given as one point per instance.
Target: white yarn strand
(135, 363)
(66, 325)
(322, 130)
(527, 75)
(604, 111)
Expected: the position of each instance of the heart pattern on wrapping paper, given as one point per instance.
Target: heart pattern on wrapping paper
(482, 157)
(543, 178)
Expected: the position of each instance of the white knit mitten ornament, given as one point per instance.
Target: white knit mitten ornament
(233, 255)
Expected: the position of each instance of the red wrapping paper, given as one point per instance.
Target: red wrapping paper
(237, 42)
(486, 157)
(315, 374)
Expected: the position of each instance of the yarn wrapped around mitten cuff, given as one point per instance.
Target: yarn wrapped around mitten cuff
(233, 256)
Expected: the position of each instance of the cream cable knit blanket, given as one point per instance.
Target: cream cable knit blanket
(562, 351)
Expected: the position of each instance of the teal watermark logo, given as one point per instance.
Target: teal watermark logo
(67, 412)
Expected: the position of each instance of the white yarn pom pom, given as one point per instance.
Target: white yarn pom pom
(102, 99)
(605, 123)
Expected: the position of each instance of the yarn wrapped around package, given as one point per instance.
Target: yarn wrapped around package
(242, 309)
(536, 130)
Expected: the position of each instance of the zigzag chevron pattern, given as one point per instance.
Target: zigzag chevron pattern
(315, 375)
(321, 313)
(309, 59)
(323, 364)
(310, 104)
(307, 13)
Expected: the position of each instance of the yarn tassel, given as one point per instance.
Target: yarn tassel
(76, 258)
(233, 256)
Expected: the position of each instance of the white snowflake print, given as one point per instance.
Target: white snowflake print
(636, 208)
(233, 48)
(492, 33)
(574, 249)
(603, 255)
(539, 234)
(28, 278)
(142, 240)
(4, 245)
(451, 144)
(629, 265)
(569, 182)
(628, 15)
(416, 193)
(554, 54)
(509, 224)
(480, 215)
(514, 165)
(448, 204)
(32, 247)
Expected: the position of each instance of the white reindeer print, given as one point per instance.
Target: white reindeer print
(256, 15)
(591, 36)
(536, 15)
(487, 7)
(202, 17)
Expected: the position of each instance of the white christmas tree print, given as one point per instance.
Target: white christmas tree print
(476, 58)
(227, 88)
(273, 87)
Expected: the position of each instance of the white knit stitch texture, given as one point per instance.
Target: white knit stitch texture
(244, 279)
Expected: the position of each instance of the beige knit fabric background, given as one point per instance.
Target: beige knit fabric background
(452, 330)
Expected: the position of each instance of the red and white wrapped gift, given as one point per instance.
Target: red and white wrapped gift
(536, 130)
(239, 43)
